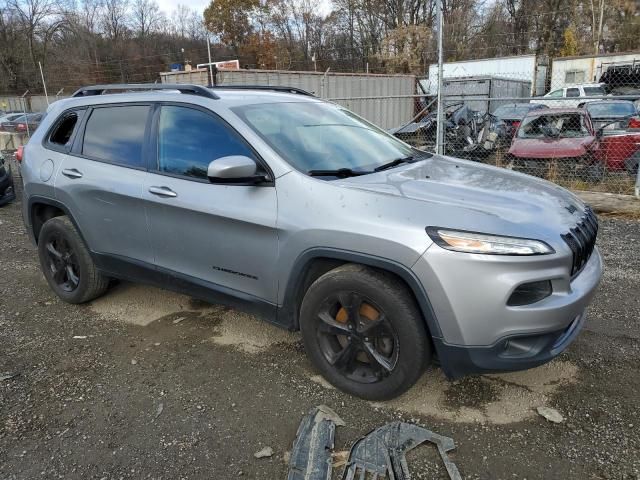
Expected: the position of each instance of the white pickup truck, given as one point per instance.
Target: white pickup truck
(571, 96)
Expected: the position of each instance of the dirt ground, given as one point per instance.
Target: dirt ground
(144, 383)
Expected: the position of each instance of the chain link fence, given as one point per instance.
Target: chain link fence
(573, 121)
(583, 136)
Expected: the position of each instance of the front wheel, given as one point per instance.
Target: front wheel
(362, 329)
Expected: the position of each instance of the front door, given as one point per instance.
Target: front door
(224, 235)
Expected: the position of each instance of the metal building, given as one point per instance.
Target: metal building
(587, 68)
(492, 88)
(528, 68)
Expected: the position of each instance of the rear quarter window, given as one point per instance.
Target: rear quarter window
(62, 132)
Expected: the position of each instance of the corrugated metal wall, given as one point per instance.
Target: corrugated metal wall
(344, 88)
(487, 87)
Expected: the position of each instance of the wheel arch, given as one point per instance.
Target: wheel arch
(315, 262)
(41, 209)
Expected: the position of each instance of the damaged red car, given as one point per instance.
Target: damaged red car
(564, 142)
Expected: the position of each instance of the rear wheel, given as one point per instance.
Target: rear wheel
(66, 263)
(362, 330)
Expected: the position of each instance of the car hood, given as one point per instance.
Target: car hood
(550, 147)
(453, 193)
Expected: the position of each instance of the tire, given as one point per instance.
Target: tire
(363, 331)
(66, 263)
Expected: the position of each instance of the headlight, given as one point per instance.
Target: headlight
(471, 242)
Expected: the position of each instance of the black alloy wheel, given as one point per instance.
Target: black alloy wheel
(356, 337)
(63, 263)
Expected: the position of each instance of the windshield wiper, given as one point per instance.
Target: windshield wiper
(394, 163)
(340, 173)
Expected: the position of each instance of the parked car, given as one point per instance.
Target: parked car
(294, 208)
(7, 191)
(7, 122)
(562, 138)
(614, 114)
(28, 123)
(576, 94)
(619, 123)
(507, 118)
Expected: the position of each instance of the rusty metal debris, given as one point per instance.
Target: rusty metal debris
(311, 455)
(381, 454)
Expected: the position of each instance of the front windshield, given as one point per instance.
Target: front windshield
(315, 136)
(618, 109)
(564, 125)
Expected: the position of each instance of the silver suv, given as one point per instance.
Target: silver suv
(290, 207)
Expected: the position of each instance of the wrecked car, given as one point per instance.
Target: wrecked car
(465, 131)
(557, 139)
(287, 206)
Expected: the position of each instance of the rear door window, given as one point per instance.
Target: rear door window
(115, 134)
(573, 92)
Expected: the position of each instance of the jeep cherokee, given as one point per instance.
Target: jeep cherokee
(293, 208)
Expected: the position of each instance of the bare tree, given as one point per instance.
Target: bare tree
(146, 17)
(39, 20)
(115, 19)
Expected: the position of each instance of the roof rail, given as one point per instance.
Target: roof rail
(127, 87)
(273, 88)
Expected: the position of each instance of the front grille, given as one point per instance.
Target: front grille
(582, 239)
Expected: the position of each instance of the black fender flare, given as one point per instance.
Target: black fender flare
(53, 203)
(288, 312)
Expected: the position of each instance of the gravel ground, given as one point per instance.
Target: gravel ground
(148, 384)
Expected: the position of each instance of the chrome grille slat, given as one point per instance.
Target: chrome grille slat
(581, 239)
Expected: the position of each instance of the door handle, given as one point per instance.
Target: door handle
(72, 173)
(163, 192)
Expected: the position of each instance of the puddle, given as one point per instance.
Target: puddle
(496, 399)
(142, 305)
(249, 334)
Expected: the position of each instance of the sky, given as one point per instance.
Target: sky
(169, 6)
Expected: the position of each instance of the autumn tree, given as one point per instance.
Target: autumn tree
(403, 49)
(230, 20)
(570, 45)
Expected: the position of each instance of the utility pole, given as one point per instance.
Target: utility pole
(211, 79)
(44, 84)
(440, 112)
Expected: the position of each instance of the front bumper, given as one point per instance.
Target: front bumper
(479, 332)
(519, 352)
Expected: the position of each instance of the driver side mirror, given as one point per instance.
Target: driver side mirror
(234, 169)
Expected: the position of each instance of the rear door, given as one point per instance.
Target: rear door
(100, 181)
(220, 235)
